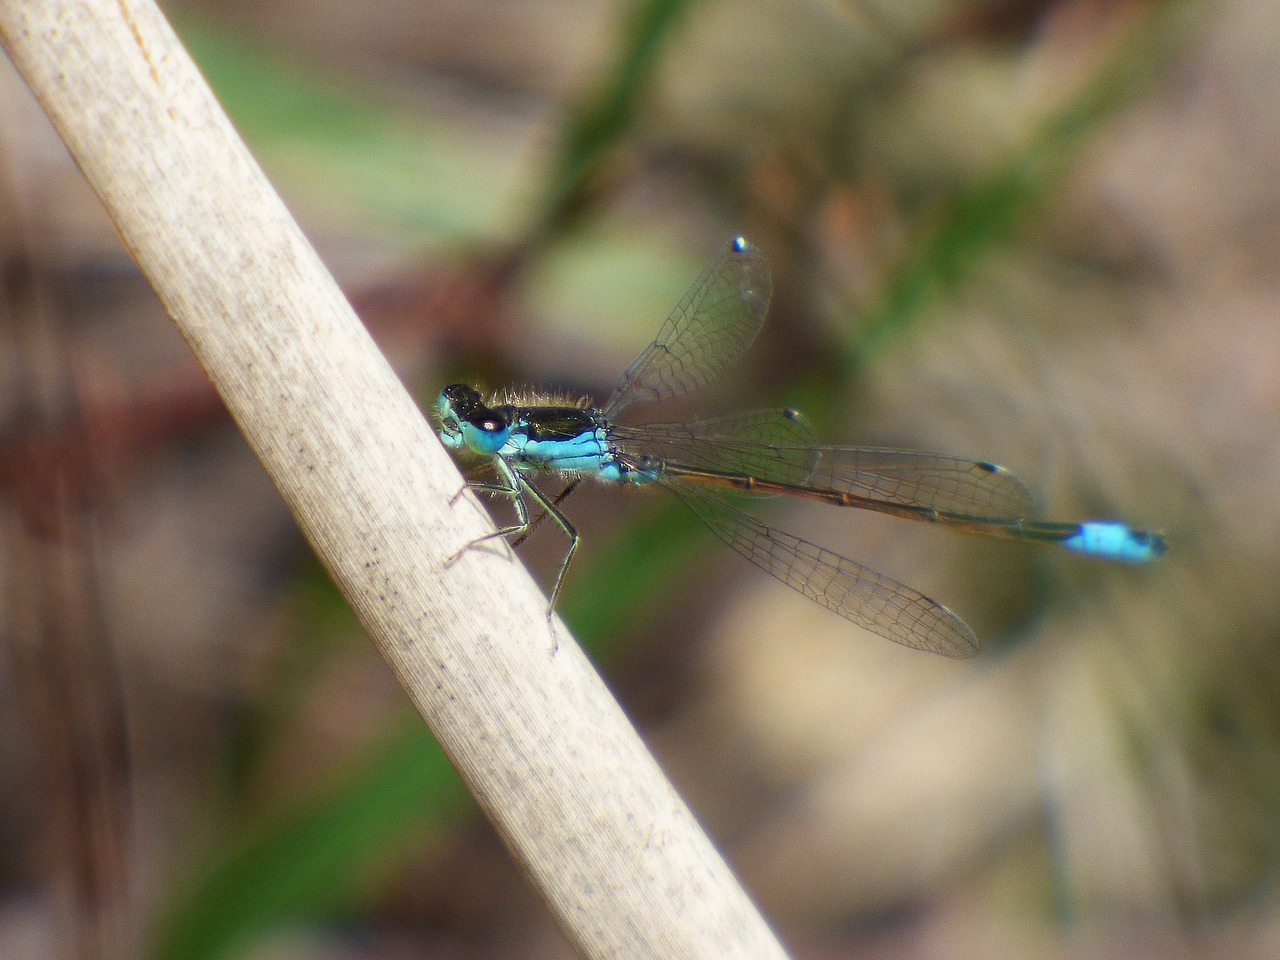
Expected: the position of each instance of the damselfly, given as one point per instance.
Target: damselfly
(760, 452)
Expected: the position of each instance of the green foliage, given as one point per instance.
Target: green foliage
(317, 857)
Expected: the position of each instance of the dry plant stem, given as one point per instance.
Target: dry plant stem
(537, 737)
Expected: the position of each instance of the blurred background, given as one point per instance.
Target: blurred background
(1040, 233)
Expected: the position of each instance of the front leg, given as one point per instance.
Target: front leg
(504, 485)
(510, 485)
(514, 486)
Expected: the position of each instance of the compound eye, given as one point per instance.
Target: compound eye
(486, 434)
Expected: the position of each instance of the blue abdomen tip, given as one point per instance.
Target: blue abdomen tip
(1115, 541)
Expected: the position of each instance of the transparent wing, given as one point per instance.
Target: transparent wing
(872, 601)
(711, 327)
(775, 446)
(948, 484)
(770, 444)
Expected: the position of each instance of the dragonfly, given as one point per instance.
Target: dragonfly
(717, 464)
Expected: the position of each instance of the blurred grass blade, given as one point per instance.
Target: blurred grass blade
(356, 153)
(606, 115)
(980, 220)
(317, 858)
